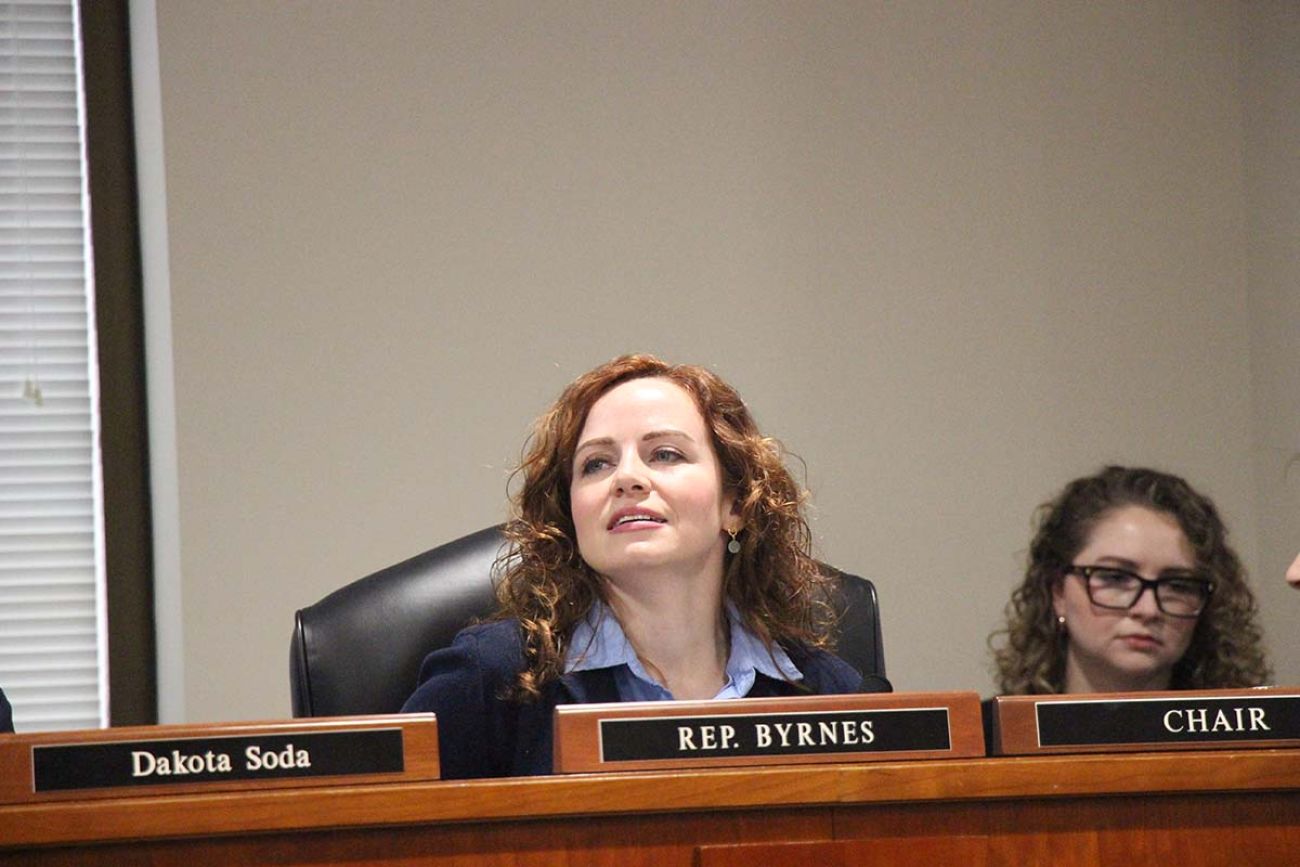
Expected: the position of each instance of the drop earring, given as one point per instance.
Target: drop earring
(734, 545)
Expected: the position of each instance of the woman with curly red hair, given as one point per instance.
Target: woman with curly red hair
(658, 550)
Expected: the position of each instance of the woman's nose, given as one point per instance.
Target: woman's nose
(630, 477)
(1146, 606)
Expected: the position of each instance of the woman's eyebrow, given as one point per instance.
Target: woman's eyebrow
(1118, 562)
(598, 441)
(1131, 566)
(667, 433)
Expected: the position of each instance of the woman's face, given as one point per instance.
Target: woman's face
(647, 492)
(1124, 650)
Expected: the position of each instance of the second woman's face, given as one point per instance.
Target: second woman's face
(1137, 648)
(646, 494)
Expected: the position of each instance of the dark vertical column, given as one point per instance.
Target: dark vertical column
(119, 315)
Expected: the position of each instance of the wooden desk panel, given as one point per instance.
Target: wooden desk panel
(1188, 830)
(615, 841)
(1213, 807)
(921, 850)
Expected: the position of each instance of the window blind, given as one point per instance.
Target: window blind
(52, 646)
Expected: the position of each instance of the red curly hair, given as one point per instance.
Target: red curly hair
(773, 582)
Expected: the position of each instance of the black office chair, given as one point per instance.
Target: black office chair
(358, 650)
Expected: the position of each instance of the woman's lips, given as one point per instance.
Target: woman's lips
(634, 517)
(1141, 642)
(633, 526)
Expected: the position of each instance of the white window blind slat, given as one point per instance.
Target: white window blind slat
(61, 372)
(68, 537)
(52, 722)
(56, 359)
(53, 581)
(39, 505)
(54, 290)
(68, 382)
(70, 219)
(59, 677)
(69, 636)
(50, 165)
(52, 660)
(55, 238)
(65, 422)
(41, 619)
(41, 593)
(28, 562)
(65, 448)
(52, 649)
(45, 456)
(51, 530)
(49, 618)
(57, 567)
(43, 113)
(17, 151)
(37, 474)
(12, 494)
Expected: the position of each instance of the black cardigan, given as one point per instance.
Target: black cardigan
(482, 734)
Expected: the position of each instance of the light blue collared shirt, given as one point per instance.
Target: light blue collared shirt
(599, 642)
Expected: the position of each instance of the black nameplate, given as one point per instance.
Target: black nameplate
(1168, 720)
(182, 761)
(779, 734)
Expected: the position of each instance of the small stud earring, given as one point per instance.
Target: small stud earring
(734, 545)
(1060, 620)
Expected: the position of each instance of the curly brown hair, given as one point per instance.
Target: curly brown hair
(773, 582)
(1226, 648)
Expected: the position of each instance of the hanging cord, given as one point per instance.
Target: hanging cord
(32, 390)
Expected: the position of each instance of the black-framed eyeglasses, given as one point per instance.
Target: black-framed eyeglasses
(1120, 589)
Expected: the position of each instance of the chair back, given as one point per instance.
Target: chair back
(359, 650)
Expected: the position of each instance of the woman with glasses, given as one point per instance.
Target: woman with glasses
(1131, 586)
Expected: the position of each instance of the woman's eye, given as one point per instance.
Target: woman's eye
(593, 465)
(666, 455)
(1185, 586)
(1106, 576)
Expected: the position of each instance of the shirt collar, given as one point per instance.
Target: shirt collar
(598, 641)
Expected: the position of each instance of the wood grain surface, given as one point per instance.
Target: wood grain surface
(1195, 808)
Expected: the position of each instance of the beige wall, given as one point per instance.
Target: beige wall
(1271, 101)
(953, 255)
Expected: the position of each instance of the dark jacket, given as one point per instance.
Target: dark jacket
(482, 734)
(6, 714)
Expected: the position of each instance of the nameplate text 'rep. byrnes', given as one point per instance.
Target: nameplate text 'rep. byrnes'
(176, 758)
(799, 730)
(1193, 719)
